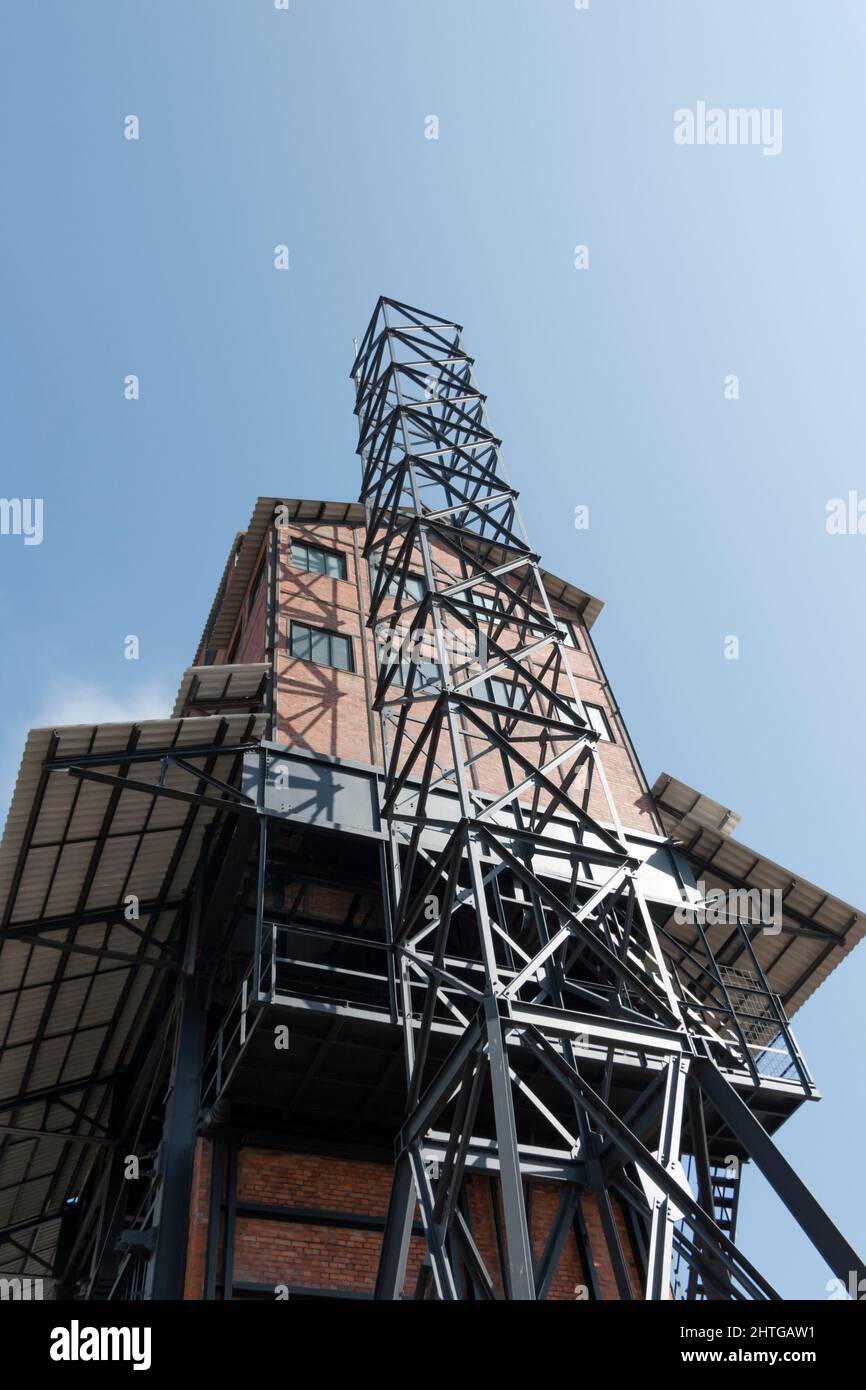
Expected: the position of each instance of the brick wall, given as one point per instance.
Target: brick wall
(271, 1253)
(196, 1251)
(327, 710)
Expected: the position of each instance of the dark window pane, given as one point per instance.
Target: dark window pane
(301, 641)
(320, 647)
(502, 692)
(341, 656)
(415, 588)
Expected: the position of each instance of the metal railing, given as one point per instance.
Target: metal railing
(231, 1039)
(321, 962)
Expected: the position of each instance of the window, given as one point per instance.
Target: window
(489, 602)
(317, 561)
(599, 721)
(413, 590)
(565, 629)
(402, 655)
(426, 674)
(502, 692)
(319, 645)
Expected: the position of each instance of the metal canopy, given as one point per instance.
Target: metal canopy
(817, 931)
(78, 970)
(221, 689)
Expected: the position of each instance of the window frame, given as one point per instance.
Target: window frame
(327, 551)
(328, 632)
(506, 687)
(425, 679)
(393, 586)
(488, 603)
(605, 734)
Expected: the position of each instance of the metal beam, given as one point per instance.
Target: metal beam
(807, 1212)
(398, 1232)
(513, 942)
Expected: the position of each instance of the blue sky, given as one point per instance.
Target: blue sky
(261, 127)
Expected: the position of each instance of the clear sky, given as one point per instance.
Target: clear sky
(307, 127)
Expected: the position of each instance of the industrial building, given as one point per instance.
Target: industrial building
(379, 969)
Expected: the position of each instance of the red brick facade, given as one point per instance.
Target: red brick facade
(279, 1255)
(327, 710)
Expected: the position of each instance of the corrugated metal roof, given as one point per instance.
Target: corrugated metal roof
(75, 850)
(818, 930)
(247, 545)
(220, 686)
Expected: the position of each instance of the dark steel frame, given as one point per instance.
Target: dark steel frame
(528, 966)
(554, 1027)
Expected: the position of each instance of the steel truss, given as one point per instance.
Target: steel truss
(531, 972)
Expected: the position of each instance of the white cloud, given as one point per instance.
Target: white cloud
(78, 702)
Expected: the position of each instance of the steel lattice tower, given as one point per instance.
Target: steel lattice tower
(527, 972)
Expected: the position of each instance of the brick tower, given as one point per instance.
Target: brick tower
(379, 969)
